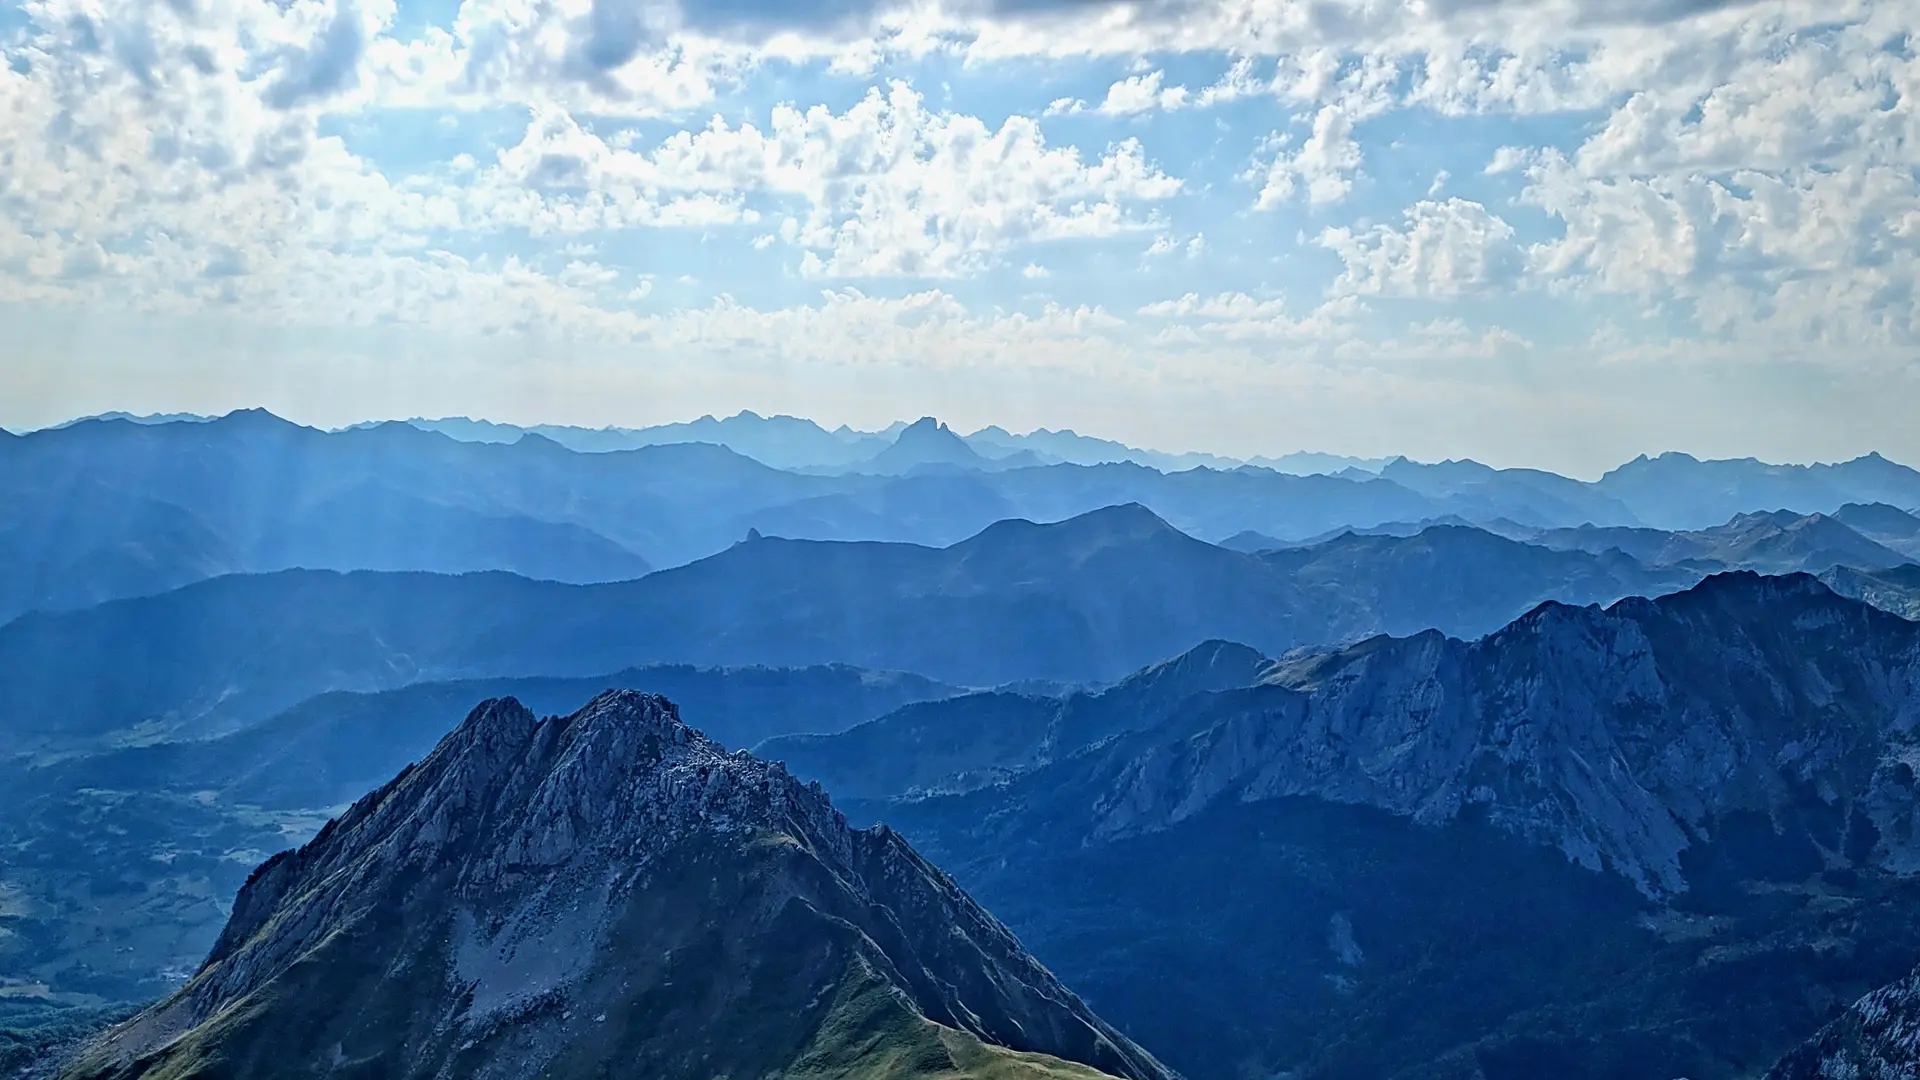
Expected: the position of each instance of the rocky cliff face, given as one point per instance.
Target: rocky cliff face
(1621, 736)
(609, 890)
(1877, 1038)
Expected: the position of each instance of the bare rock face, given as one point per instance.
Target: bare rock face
(606, 891)
(1877, 1038)
(1620, 736)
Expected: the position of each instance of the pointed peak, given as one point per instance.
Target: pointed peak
(497, 722)
(1129, 518)
(924, 428)
(255, 422)
(1220, 664)
(631, 707)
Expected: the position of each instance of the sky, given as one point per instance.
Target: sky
(1537, 232)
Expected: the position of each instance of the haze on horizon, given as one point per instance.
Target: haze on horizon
(1555, 235)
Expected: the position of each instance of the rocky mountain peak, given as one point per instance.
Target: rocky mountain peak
(495, 903)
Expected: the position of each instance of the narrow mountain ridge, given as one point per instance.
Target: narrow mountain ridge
(609, 889)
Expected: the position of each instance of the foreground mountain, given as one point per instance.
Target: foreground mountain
(327, 750)
(1669, 838)
(1090, 599)
(119, 864)
(609, 889)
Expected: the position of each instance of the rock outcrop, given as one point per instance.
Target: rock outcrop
(608, 894)
(1621, 736)
(1877, 1038)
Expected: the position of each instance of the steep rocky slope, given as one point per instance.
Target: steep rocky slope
(1668, 838)
(608, 894)
(1618, 736)
(1877, 1038)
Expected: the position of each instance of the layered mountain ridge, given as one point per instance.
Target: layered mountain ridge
(1621, 736)
(561, 895)
(1666, 837)
(250, 492)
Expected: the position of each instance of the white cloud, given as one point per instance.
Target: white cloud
(1324, 166)
(1808, 255)
(1197, 321)
(1749, 167)
(1231, 305)
(1445, 249)
(890, 187)
(1034, 271)
(1142, 93)
(928, 329)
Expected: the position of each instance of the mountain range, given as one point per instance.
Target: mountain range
(1396, 771)
(1423, 857)
(1085, 600)
(1665, 837)
(97, 915)
(609, 891)
(111, 508)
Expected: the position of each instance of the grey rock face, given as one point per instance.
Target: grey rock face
(1619, 736)
(1877, 1038)
(526, 875)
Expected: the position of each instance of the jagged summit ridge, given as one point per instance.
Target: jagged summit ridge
(475, 915)
(1621, 736)
(516, 801)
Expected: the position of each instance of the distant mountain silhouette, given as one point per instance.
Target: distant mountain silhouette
(783, 442)
(1088, 599)
(1779, 541)
(1678, 491)
(926, 443)
(252, 492)
(1528, 496)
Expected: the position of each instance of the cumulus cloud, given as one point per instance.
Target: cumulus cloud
(1815, 254)
(330, 61)
(1143, 93)
(1323, 168)
(1748, 167)
(1442, 249)
(887, 188)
